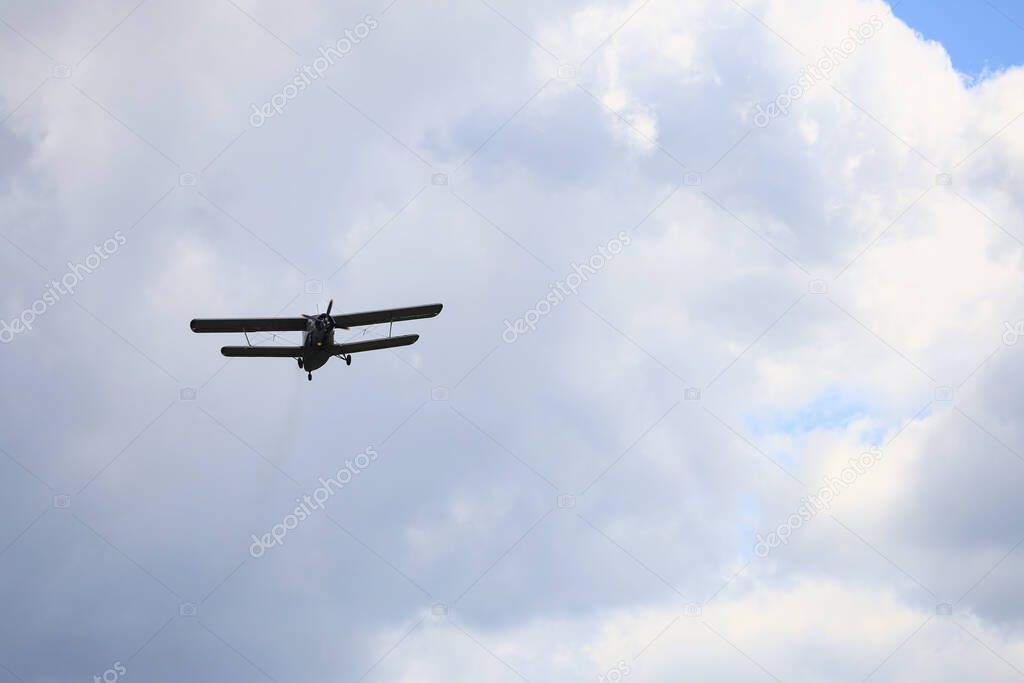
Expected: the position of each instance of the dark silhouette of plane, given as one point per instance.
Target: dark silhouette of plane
(318, 334)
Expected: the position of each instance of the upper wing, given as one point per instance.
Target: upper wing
(248, 325)
(374, 344)
(262, 351)
(391, 315)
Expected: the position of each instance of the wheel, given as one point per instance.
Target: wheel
(300, 363)
(309, 376)
(348, 360)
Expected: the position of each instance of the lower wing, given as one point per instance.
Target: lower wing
(374, 344)
(337, 349)
(262, 351)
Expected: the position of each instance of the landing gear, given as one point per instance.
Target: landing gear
(348, 359)
(300, 363)
(309, 376)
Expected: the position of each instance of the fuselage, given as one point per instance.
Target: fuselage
(317, 341)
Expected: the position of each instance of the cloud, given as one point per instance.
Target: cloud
(791, 295)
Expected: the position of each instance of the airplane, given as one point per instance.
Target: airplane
(317, 334)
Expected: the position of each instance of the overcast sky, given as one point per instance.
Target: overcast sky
(726, 386)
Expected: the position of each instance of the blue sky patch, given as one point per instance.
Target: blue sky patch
(830, 411)
(980, 35)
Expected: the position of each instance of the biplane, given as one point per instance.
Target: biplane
(318, 345)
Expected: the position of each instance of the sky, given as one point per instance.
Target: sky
(725, 386)
(981, 36)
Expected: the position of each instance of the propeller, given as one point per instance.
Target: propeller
(323, 317)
